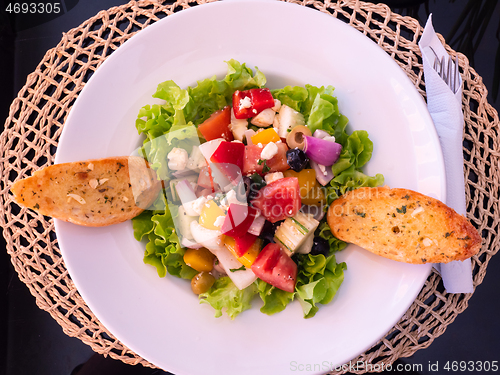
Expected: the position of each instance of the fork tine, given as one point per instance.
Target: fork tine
(457, 74)
(451, 75)
(442, 72)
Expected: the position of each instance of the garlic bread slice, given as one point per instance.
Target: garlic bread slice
(403, 225)
(92, 193)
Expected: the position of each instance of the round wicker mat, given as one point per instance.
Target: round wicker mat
(37, 116)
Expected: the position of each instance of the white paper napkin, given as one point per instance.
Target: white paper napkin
(445, 108)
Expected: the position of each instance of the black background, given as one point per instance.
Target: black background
(33, 343)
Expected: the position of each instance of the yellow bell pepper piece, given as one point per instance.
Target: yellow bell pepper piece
(307, 180)
(209, 215)
(265, 136)
(202, 260)
(315, 197)
(249, 257)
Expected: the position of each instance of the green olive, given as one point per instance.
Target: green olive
(202, 282)
(295, 139)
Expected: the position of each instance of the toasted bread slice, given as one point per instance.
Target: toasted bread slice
(92, 193)
(403, 225)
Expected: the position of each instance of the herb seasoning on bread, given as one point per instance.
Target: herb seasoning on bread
(403, 225)
(92, 193)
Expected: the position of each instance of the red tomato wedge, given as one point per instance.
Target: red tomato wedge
(279, 200)
(275, 267)
(276, 164)
(259, 99)
(217, 125)
(244, 242)
(205, 179)
(238, 220)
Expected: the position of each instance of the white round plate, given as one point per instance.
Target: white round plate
(160, 318)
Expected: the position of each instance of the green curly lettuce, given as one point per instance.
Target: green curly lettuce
(318, 281)
(225, 295)
(163, 249)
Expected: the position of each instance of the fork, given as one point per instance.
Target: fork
(448, 70)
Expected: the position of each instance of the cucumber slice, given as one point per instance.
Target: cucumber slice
(294, 231)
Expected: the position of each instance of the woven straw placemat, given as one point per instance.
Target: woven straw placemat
(37, 117)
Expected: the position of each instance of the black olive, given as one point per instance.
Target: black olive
(253, 184)
(268, 231)
(297, 259)
(320, 246)
(296, 159)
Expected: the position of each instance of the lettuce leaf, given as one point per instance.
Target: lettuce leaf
(195, 104)
(163, 250)
(325, 232)
(356, 151)
(224, 295)
(142, 225)
(318, 281)
(275, 300)
(319, 107)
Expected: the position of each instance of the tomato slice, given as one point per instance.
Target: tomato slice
(217, 125)
(275, 267)
(205, 179)
(259, 99)
(276, 164)
(279, 200)
(244, 242)
(238, 220)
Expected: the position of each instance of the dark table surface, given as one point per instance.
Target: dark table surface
(33, 343)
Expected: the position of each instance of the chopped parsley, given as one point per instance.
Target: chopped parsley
(242, 268)
(266, 168)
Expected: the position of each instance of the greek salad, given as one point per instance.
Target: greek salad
(248, 175)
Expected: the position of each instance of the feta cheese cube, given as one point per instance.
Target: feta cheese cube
(269, 151)
(219, 221)
(197, 205)
(177, 159)
(271, 177)
(246, 102)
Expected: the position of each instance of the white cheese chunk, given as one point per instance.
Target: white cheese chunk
(177, 159)
(246, 102)
(269, 151)
(271, 177)
(219, 221)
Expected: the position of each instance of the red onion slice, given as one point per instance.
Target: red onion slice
(321, 151)
(320, 134)
(257, 225)
(323, 175)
